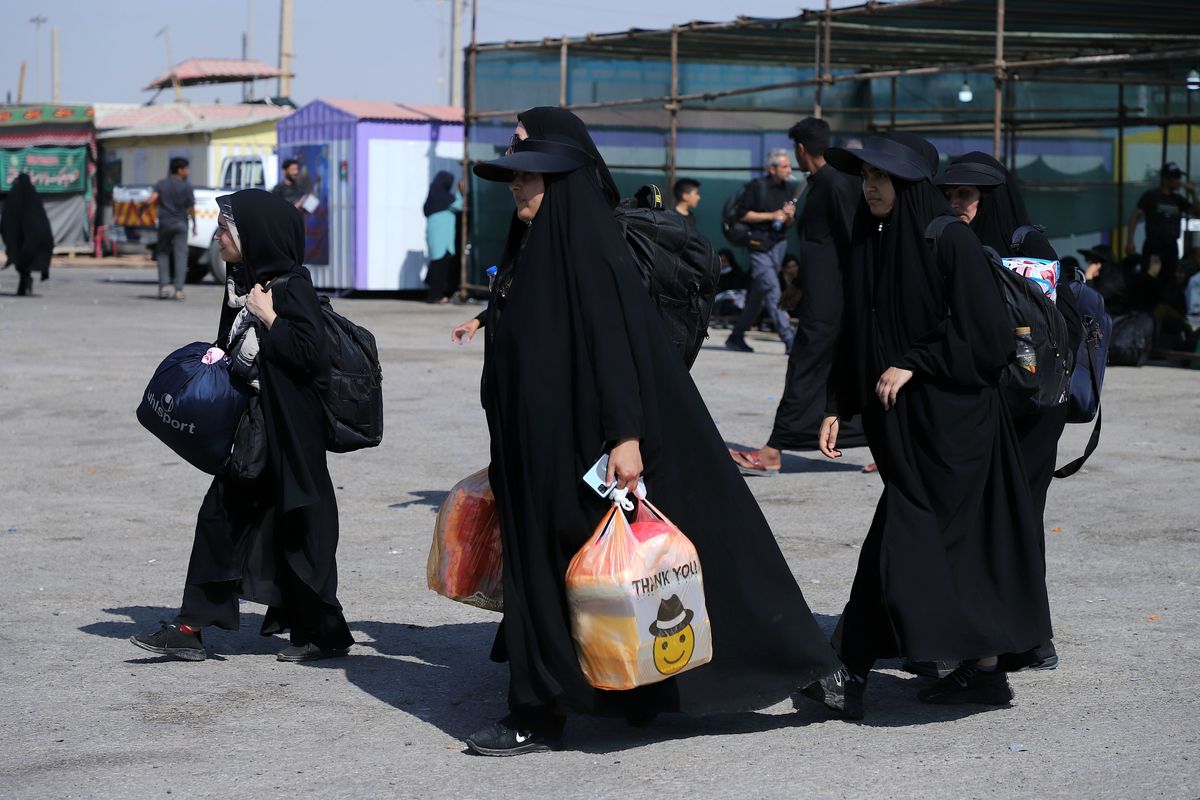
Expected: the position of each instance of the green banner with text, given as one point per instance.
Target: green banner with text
(52, 169)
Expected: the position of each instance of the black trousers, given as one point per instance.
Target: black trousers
(442, 278)
(309, 619)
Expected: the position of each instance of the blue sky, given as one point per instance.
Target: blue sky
(365, 49)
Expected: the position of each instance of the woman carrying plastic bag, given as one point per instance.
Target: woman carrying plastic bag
(576, 364)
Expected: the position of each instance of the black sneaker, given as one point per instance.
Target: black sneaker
(309, 652)
(738, 344)
(170, 641)
(969, 684)
(500, 739)
(1044, 656)
(929, 669)
(841, 692)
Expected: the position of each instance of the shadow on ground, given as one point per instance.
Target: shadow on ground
(794, 464)
(425, 497)
(442, 676)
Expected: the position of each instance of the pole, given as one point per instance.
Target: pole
(825, 75)
(468, 118)
(248, 48)
(1010, 137)
(286, 24)
(21, 84)
(893, 125)
(999, 78)
(562, 72)
(55, 86)
(38, 21)
(673, 142)
(456, 54)
(166, 34)
(1166, 125)
(1119, 169)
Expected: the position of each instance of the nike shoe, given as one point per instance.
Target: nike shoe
(969, 684)
(170, 641)
(502, 739)
(841, 692)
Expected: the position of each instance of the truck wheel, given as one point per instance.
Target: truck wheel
(216, 264)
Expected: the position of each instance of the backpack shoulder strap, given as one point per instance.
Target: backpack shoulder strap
(1018, 236)
(1071, 468)
(936, 227)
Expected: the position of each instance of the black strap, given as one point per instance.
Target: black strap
(1073, 467)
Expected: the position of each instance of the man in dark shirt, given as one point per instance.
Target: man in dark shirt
(768, 208)
(176, 206)
(687, 197)
(1163, 209)
(294, 187)
(824, 228)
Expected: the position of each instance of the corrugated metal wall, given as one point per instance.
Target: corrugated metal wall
(318, 124)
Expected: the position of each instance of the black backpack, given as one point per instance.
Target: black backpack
(1132, 339)
(1027, 392)
(678, 266)
(736, 232)
(354, 398)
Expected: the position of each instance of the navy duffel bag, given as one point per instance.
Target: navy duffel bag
(193, 407)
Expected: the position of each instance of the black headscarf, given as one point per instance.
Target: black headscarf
(272, 234)
(441, 194)
(897, 285)
(1001, 209)
(560, 125)
(25, 228)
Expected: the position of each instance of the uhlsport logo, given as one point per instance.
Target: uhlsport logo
(163, 410)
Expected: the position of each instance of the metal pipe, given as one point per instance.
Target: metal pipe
(893, 123)
(1166, 126)
(673, 107)
(825, 71)
(1119, 169)
(464, 236)
(998, 78)
(1113, 58)
(562, 72)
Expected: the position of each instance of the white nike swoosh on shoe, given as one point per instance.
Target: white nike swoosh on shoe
(522, 738)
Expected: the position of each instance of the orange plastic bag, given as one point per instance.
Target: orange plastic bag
(636, 599)
(465, 559)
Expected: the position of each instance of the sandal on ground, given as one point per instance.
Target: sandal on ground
(749, 462)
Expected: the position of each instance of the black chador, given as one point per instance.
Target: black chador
(574, 362)
(824, 232)
(952, 568)
(273, 540)
(25, 229)
(1001, 211)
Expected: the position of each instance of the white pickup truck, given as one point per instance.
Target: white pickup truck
(134, 222)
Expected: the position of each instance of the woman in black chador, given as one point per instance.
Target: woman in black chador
(577, 364)
(25, 229)
(983, 195)
(952, 566)
(271, 540)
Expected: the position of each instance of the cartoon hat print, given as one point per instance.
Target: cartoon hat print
(672, 617)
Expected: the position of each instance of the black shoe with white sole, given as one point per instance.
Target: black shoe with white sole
(503, 739)
(170, 641)
(1042, 657)
(969, 684)
(841, 692)
(309, 652)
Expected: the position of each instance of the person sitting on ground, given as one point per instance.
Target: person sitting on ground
(272, 540)
(952, 568)
(573, 368)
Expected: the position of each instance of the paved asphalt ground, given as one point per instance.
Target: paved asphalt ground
(96, 522)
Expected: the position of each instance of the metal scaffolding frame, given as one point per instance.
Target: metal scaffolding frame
(1098, 42)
